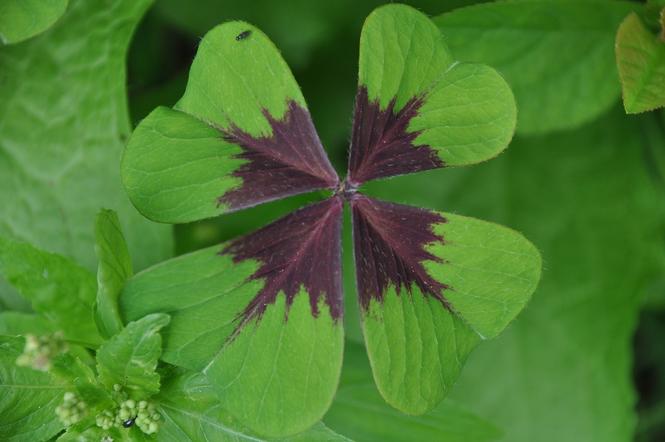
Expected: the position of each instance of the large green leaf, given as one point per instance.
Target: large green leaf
(192, 412)
(567, 359)
(431, 285)
(63, 121)
(115, 267)
(360, 412)
(28, 398)
(22, 19)
(129, 358)
(57, 288)
(266, 336)
(557, 56)
(240, 135)
(416, 108)
(640, 57)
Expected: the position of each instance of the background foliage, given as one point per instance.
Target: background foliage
(582, 180)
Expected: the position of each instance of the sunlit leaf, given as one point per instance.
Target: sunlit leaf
(640, 56)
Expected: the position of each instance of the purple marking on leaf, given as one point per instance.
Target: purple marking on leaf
(300, 250)
(288, 162)
(381, 145)
(389, 243)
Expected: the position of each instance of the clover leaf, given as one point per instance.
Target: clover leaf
(261, 315)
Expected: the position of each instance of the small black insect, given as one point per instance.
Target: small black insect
(243, 35)
(129, 422)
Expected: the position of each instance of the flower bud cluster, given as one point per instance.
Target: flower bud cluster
(142, 413)
(40, 350)
(72, 409)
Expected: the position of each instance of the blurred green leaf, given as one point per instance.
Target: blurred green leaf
(22, 19)
(557, 56)
(20, 323)
(567, 358)
(64, 120)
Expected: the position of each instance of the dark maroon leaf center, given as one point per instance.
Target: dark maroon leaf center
(381, 145)
(298, 251)
(288, 162)
(390, 245)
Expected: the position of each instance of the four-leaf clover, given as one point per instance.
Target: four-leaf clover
(261, 315)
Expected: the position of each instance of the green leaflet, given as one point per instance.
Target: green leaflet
(640, 57)
(191, 412)
(491, 271)
(176, 166)
(276, 377)
(467, 114)
(22, 19)
(27, 398)
(186, 164)
(360, 412)
(556, 56)
(416, 346)
(55, 286)
(129, 358)
(115, 267)
(64, 122)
